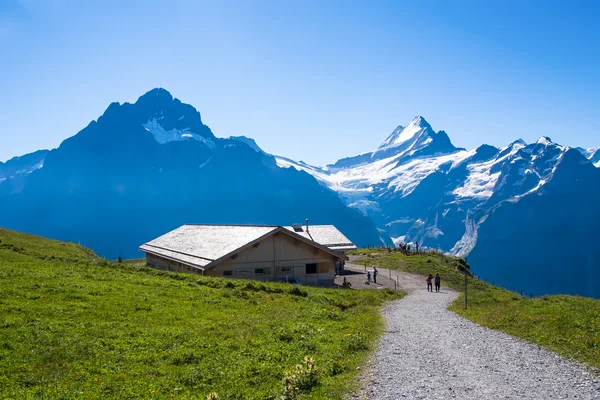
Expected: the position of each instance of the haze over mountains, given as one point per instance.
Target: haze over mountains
(525, 215)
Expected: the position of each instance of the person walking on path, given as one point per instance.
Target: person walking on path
(428, 280)
(375, 272)
(437, 282)
(368, 278)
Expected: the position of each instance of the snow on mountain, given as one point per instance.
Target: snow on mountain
(417, 187)
(589, 153)
(593, 155)
(163, 136)
(23, 165)
(384, 183)
(480, 182)
(406, 177)
(544, 140)
(395, 166)
(402, 134)
(412, 140)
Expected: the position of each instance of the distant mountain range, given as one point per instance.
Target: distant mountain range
(525, 215)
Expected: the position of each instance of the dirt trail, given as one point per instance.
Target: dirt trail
(428, 352)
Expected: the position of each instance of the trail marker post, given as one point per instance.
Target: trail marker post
(465, 283)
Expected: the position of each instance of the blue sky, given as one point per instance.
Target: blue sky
(310, 80)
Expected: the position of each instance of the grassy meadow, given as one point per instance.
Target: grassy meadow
(73, 325)
(568, 325)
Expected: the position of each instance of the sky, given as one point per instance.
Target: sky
(310, 80)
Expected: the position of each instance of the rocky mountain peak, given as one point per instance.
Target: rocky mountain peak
(415, 129)
(417, 138)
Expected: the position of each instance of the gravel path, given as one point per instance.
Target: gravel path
(429, 352)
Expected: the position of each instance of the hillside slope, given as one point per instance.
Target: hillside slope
(73, 325)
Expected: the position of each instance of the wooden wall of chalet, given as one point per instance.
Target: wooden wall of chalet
(169, 265)
(280, 258)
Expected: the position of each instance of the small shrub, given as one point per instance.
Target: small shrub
(285, 335)
(301, 379)
(357, 342)
(335, 368)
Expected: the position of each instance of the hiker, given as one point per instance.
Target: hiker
(437, 282)
(368, 278)
(429, 286)
(346, 283)
(417, 245)
(375, 272)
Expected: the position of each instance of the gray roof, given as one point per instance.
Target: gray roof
(325, 235)
(201, 245)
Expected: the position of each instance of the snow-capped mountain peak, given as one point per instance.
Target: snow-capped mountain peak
(417, 138)
(544, 140)
(403, 134)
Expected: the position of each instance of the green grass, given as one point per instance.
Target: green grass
(448, 267)
(568, 325)
(73, 325)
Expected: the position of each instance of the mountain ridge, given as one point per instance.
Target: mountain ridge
(153, 165)
(122, 180)
(442, 199)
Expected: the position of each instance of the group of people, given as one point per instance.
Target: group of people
(375, 272)
(405, 248)
(348, 284)
(431, 280)
(437, 280)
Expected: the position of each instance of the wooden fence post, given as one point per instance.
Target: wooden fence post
(465, 287)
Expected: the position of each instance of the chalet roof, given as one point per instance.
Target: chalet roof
(203, 245)
(326, 235)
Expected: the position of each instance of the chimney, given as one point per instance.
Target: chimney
(306, 225)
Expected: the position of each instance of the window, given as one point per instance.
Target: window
(311, 269)
(227, 273)
(259, 271)
(286, 269)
